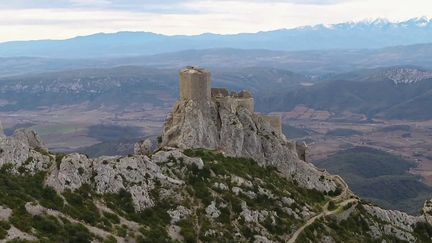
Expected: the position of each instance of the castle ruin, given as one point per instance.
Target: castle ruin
(195, 84)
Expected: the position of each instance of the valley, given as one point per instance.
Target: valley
(105, 111)
(328, 133)
(367, 154)
(69, 128)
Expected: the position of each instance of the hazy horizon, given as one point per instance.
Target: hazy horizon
(35, 20)
(203, 33)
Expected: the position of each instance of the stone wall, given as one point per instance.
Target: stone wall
(195, 84)
(247, 103)
(243, 99)
(275, 121)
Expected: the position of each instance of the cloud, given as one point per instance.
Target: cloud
(68, 18)
(140, 4)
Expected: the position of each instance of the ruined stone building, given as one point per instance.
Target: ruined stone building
(195, 84)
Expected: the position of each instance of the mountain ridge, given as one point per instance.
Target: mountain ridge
(360, 35)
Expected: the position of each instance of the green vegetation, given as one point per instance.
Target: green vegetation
(260, 190)
(81, 206)
(380, 177)
(16, 191)
(331, 206)
(4, 227)
(343, 132)
(58, 160)
(249, 169)
(424, 231)
(154, 219)
(217, 166)
(394, 128)
(187, 230)
(52, 230)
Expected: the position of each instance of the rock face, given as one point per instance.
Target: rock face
(29, 137)
(23, 152)
(399, 219)
(109, 175)
(144, 147)
(221, 124)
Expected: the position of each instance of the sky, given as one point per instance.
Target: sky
(61, 19)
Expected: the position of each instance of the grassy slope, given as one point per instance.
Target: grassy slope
(380, 177)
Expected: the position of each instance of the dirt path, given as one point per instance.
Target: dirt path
(324, 213)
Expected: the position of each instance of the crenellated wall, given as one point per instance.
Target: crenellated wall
(234, 100)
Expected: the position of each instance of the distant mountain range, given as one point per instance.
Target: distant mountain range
(359, 35)
(314, 63)
(393, 93)
(399, 92)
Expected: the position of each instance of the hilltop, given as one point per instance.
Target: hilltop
(221, 172)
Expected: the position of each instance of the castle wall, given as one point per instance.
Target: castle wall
(195, 84)
(301, 149)
(247, 103)
(275, 121)
(219, 92)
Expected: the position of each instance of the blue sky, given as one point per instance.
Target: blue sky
(59, 19)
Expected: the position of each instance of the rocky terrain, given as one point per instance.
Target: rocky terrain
(219, 174)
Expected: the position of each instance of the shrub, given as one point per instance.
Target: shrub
(331, 206)
(59, 158)
(187, 230)
(81, 205)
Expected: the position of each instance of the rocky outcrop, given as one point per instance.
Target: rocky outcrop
(216, 126)
(427, 211)
(2, 134)
(22, 151)
(29, 137)
(108, 175)
(145, 147)
(396, 218)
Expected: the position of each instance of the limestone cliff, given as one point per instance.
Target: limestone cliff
(238, 132)
(225, 121)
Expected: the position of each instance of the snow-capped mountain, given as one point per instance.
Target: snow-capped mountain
(366, 34)
(380, 23)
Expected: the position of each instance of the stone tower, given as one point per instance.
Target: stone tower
(195, 84)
